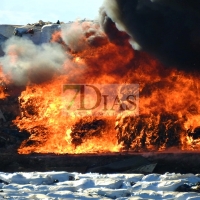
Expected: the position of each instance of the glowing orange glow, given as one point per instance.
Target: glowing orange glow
(169, 105)
(3, 82)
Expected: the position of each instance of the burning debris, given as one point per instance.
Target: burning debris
(81, 52)
(150, 132)
(10, 137)
(81, 130)
(195, 134)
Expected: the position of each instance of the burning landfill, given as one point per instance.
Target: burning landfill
(153, 43)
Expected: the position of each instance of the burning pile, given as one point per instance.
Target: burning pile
(83, 53)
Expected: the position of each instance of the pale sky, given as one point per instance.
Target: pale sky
(22, 12)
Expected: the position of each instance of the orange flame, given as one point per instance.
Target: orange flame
(169, 105)
(3, 82)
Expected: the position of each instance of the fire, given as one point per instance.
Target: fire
(169, 103)
(50, 130)
(3, 87)
(42, 105)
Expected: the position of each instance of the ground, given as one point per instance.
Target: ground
(166, 162)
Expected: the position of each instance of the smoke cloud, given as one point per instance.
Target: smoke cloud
(169, 30)
(79, 36)
(26, 62)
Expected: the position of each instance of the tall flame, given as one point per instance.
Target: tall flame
(169, 103)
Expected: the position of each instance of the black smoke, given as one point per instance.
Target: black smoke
(167, 29)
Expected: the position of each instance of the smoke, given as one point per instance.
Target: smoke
(79, 36)
(26, 62)
(169, 30)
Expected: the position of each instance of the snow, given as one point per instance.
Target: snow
(63, 185)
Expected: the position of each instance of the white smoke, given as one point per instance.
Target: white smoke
(81, 35)
(72, 35)
(26, 62)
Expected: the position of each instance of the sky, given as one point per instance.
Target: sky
(22, 12)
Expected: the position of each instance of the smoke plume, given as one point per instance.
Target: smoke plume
(80, 36)
(26, 62)
(169, 30)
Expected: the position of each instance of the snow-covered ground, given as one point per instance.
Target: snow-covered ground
(64, 185)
